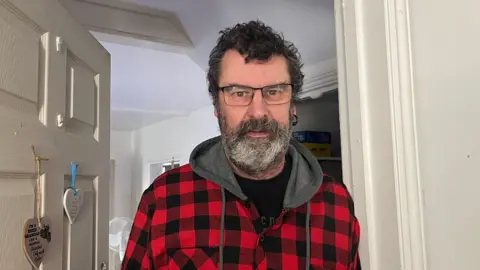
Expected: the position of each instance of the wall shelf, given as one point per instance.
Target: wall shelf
(329, 158)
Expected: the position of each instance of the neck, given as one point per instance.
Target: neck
(264, 175)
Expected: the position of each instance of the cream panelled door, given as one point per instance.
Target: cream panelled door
(55, 95)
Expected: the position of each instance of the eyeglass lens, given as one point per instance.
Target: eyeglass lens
(273, 94)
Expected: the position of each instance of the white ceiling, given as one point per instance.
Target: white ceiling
(150, 85)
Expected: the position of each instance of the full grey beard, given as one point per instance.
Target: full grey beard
(255, 156)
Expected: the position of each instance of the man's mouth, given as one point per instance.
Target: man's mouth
(258, 134)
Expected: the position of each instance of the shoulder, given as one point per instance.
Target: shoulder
(175, 182)
(334, 193)
(332, 211)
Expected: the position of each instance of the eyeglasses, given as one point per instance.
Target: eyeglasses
(239, 95)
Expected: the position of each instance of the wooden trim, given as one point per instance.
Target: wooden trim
(350, 120)
(410, 203)
(379, 140)
(319, 79)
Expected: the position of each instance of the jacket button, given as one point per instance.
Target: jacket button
(262, 238)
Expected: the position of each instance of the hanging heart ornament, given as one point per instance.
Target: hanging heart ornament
(72, 203)
(36, 240)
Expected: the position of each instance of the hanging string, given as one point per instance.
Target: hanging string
(38, 192)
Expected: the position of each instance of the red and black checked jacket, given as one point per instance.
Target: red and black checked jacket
(185, 221)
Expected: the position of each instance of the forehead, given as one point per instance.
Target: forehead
(234, 70)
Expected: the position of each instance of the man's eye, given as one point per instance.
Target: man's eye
(240, 94)
(272, 92)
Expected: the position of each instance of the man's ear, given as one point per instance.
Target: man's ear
(293, 110)
(215, 112)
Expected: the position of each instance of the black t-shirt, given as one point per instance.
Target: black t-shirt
(267, 195)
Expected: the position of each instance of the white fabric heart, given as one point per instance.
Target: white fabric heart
(72, 203)
(36, 240)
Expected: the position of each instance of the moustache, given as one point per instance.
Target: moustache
(258, 125)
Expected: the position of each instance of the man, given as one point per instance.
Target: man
(252, 198)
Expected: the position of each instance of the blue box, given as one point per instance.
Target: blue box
(306, 136)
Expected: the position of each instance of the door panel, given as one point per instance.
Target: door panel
(23, 55)
(15, 193)
(78, 258)
(82, 85)
(54, 94)
(18, 132)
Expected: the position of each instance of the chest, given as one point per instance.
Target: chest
(241, 238)
(267, 195)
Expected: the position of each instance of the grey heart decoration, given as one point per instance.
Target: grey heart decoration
(36, 240)
(72, 204)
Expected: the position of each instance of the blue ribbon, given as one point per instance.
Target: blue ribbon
(74, 174)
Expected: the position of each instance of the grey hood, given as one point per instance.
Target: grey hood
(209, 160)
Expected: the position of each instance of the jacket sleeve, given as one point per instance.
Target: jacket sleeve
(137, 254)
(355, 261)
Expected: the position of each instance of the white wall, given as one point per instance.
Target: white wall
(412, 104)
(175, 137)
(446, 57)
(120, 190)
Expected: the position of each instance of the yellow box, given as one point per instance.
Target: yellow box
(319, 149)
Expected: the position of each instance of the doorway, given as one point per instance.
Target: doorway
(154, 134)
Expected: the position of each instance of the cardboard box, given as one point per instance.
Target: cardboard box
(313, 137)
(319, 149)
(319, 143)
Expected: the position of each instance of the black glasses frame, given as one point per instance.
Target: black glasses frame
(253, 89)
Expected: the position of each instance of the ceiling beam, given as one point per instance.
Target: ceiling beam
(131, 23)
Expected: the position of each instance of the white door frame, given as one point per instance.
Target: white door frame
(378, 133)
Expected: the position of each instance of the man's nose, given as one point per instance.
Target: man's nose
(258, 107)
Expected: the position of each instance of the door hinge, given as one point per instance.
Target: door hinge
(59, 42)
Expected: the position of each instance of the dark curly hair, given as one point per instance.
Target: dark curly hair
(255, 41)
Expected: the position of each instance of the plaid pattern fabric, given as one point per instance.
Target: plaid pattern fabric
(179, 220)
